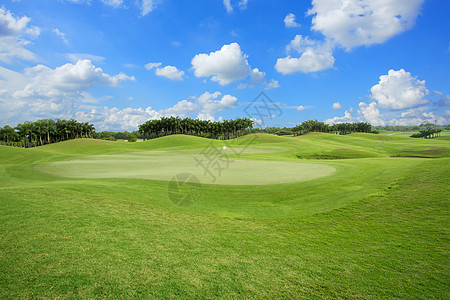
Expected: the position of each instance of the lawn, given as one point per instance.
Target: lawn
(315, 216)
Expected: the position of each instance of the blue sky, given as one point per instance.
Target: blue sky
(118, 63)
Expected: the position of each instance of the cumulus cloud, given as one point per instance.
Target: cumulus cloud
(14, 37)
(44, 92)
(224, 66)
(206, 105)
(181, 109)
(12, 25)
(169, 72)
(399, 90)
(370, 113)
(398, 99)
(337, 105)
(314, 56)
(272, 84)
(301, 108)
(349, 24)
(211, 106)
(419, 119)
(347, 118)
(69, 78)
(117, 119)
(256, 76)
(289, 21)
(352, 23)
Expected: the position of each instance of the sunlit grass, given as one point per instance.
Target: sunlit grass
(377, 228)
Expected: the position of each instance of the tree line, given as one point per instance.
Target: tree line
(222, 130)
(121, 135)
(427, 131)
(410, 128)
(340, 128)
(317, 126)
(46, 131)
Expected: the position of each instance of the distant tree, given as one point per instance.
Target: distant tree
(45, 131)
(132, 137)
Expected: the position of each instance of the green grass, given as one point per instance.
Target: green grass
(376, 228)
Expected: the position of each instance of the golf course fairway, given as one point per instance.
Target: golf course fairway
(318, 216)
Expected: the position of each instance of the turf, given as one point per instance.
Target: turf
(164, 165)
(375, 228)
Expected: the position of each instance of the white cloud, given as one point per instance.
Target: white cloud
(228, 7)
(299, 44)
(11, 48)
(182, 109)
(113, 3)
(256, 76)
(337, 105)
(12, 37)
(315, 56)
(399, 90)
(67, 79)
(352, 23)
(117, 119)
(147, 6)
(44, 92)
(289, 21)
(272, 84)
(417, 119)
(243, 4)
(211, 106)
(301, 108)
(129, 118)
(347, 23)
(370, 113)
(150, 66)
(347, 118)
(169, 72)
(224, 66)
(413, 112)
(10, 24)
(310, 61)
(61, 35)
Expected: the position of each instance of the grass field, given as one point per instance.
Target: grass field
(315, 216)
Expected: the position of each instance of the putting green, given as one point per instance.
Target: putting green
(164, 165)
